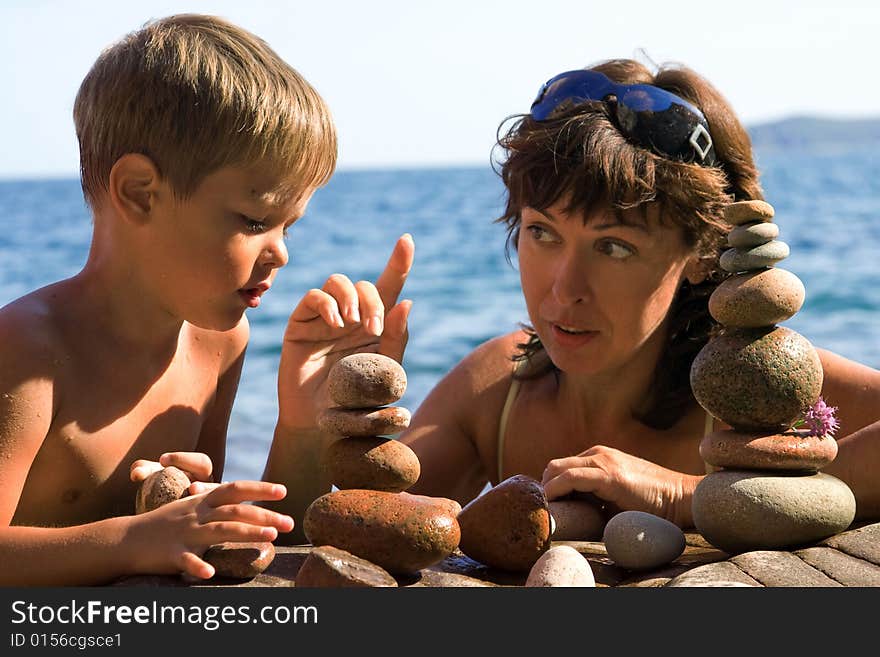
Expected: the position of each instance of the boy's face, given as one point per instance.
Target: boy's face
(214, 254)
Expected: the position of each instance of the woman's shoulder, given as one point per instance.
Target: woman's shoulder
(493, 359)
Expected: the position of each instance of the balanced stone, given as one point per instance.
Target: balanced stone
(330, 567)
(752, 234)
(371, 462)
(744, 510)
(576, 520)
(400, 532)
(366, 381)
(639, 541)
(757, 379)
(561, 565)
(790, 450)
(508, 526)
(755, 257)
(161, 487)
(760, 298)
(240, 560)
(363, 422)
(743, 212)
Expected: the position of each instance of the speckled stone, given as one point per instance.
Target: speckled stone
(159, 488)
(371, 462)
(640, 541)
(753, 234)
(508, 526)
(366, 381)
(790, 450)
(384, 421)
(760, 298)
(757, 379)
(576, 520)
(744, 510)
(755, 257)
(240, 560)
(743, 212)
(561, 565)
(330, 567)
(400, 532)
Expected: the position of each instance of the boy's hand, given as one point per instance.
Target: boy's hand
(173, 538)
(340, 319)
(195, 465)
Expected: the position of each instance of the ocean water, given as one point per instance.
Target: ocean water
(464, 291)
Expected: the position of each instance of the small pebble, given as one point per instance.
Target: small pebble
(743, 212)
(749, 235)
(640, 541)
(365, 381)
(371, 462)
(240, 560)
(576, 520)
(561, 565)
(756, 257)
(329, 567)
(385, 421)
(166, 485)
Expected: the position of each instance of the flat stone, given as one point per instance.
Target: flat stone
(366, 381)
(508, 526)
(330, 567)
(636, 540)
(240, 560)
(759, 379)
(745, 510)
(863, 542)
(388, 420)
(743, 212)
(790, 450)
(400, 532)
(841, 567)
(561, 565)
(724, 573)
(161, 487)
(752, 234)
(760, 298)
(371, 462)
(774, 568)
(576, 520)
(754, 257)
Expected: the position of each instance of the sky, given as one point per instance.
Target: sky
(424, 83)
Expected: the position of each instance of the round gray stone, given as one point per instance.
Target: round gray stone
(639, 541)
(749, 235)
(756, 257)
(745, 510)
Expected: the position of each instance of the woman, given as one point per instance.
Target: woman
(616, 215)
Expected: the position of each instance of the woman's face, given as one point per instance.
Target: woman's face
(598, 292)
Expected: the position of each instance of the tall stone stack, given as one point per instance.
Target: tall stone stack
(371, 518)
(761, 379)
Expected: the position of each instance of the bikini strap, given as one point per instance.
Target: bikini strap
(505, 412)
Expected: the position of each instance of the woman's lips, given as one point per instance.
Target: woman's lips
(571, 338)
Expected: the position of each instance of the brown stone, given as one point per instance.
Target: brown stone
(330, 567)
(371, 462)
(400, 532)
(761, 298)
(576, 520)
(508, 526)
(161, 487)
(791, 450)
(365, 381)
(760, 379)
(743, 212)
(363, 422)
(240, 560)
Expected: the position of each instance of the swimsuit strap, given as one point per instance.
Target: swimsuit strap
(505, 412)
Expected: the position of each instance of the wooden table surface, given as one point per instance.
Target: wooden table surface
(851, 558)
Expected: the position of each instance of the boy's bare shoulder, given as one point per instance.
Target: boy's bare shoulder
(29, 329)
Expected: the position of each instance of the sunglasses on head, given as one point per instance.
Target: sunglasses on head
(646, 115)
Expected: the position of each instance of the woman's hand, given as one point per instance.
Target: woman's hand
(196, 465)
(623, 481)
(173, 538)
(341, 318)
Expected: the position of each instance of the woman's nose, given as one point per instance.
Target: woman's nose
(571, 283)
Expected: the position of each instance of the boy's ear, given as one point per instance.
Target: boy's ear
(134, 181)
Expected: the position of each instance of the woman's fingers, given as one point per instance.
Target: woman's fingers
(196, 465)
(558, 466)
(582, 479)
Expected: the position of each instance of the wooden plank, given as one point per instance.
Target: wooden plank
(846, 569)
(720, 573)
(777, 568)
(863, 543)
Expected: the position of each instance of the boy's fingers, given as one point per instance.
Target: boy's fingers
(224, 531)
(393, 341)
(343, 290)
(197, 465)
(318, 304)
(245, 491)
(141, 469)
(199, 487)
(252, 515)
(195, 566)
(391, 280)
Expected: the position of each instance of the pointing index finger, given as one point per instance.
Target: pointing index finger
(391, 280)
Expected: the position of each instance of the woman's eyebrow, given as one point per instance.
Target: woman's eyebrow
(617, 224)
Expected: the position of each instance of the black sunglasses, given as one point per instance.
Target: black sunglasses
(646, 115)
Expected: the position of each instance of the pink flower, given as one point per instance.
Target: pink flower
(820, 419)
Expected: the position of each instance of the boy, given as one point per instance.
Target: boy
(199, 147)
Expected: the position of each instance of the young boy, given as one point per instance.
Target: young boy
(199, 148)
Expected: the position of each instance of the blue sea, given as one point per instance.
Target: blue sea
(464, 290)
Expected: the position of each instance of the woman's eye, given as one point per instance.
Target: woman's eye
(540, 234)
(615, 249)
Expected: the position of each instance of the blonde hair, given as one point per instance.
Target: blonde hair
(194, 94)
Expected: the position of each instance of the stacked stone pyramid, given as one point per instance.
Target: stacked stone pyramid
(761, 379)
(371, 527)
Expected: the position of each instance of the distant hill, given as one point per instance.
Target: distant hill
(813, 132)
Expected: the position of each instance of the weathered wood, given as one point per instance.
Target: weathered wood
(846, 569)
(776, 568)
(863, 543)
(713, 573)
